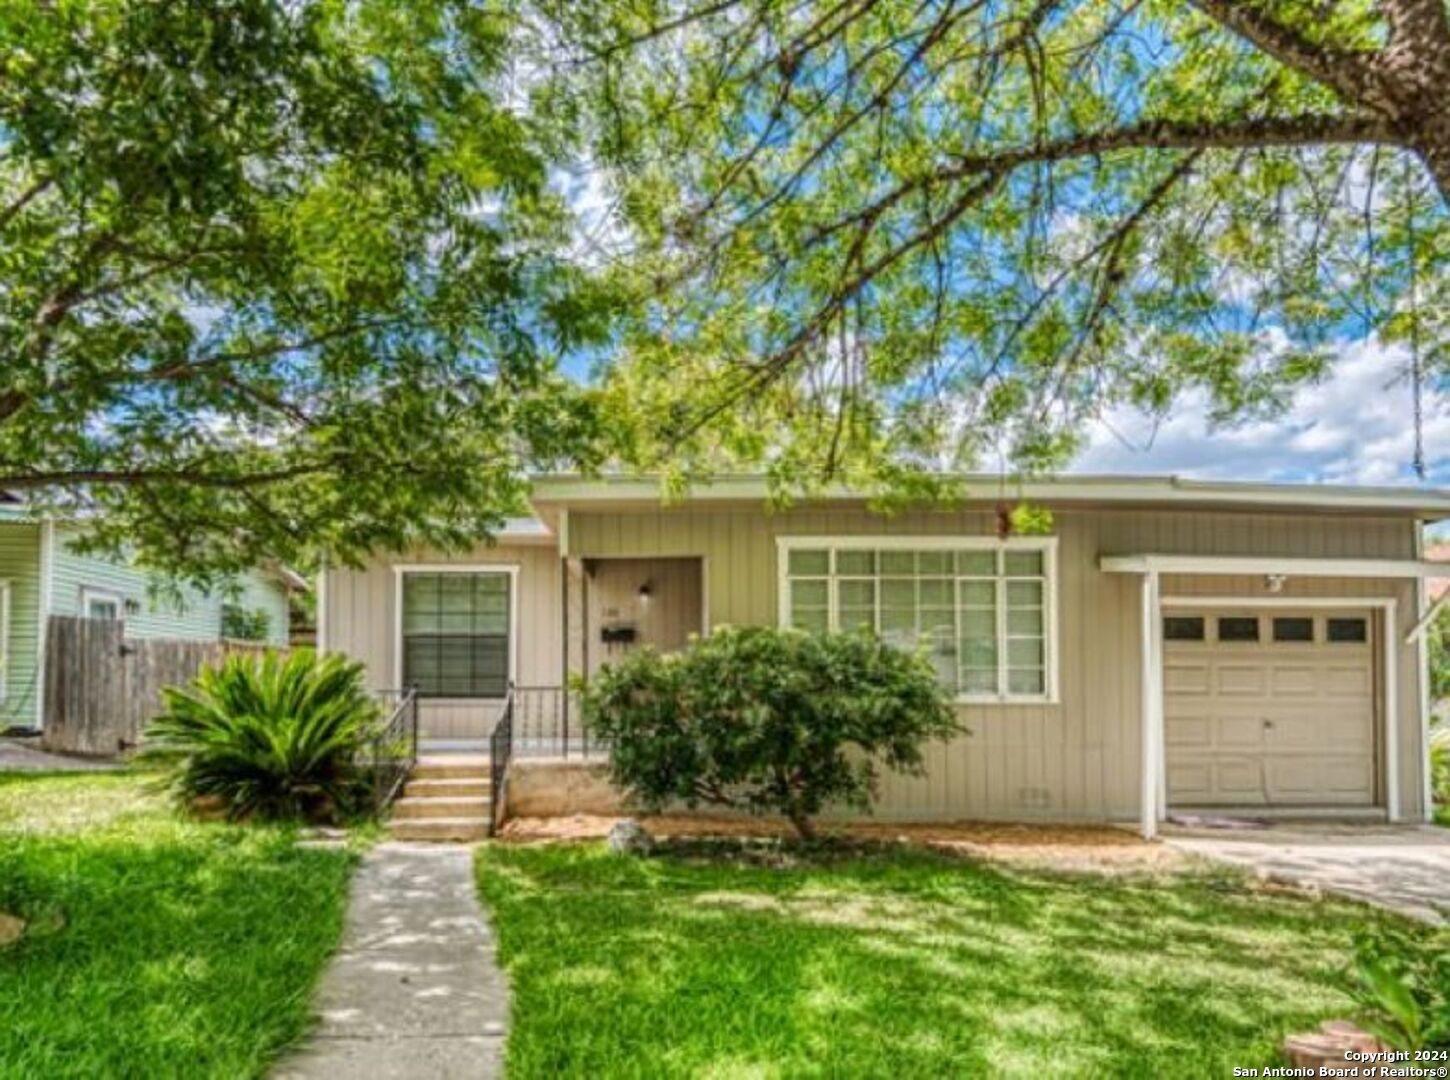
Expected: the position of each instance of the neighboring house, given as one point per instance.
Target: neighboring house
(1170, 646)
(40, 576)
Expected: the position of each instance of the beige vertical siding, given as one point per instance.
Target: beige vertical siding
(1074, 760)
(1077, 759)
(664, 621)
(360, 620)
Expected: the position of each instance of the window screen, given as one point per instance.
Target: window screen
(980, 613)
(456, 634)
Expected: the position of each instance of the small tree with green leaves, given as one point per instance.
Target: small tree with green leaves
(767, 720)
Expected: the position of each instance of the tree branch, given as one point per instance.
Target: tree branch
(1352, 75)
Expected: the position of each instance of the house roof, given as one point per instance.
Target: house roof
(1428, 504)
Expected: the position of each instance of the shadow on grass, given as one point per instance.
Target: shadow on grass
(158, 947)
(901, 963)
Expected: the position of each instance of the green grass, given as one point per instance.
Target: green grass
(159, 947)
(900, 963)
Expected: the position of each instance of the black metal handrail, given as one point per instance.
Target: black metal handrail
(500, 750)
(394, 746)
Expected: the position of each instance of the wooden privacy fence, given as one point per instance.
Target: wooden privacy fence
(101, 688)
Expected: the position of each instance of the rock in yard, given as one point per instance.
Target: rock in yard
(1329, 1045)
(628, 837)
(12, 928)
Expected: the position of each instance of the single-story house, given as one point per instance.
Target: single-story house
(1169, 645)
(42, 575)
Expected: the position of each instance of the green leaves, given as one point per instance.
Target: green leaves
(266, 737)
(280, 278)
(868, 236)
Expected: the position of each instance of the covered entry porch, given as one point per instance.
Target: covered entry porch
(1281, 687)
(597, 611)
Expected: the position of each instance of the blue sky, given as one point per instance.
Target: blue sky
(1354, 428)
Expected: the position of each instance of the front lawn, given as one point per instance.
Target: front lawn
(898, 963)
(158, 947)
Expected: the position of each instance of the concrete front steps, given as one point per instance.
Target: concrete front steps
(446, 798)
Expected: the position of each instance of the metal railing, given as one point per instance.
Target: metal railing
(547, 723)
(500, 752)
(393, 749)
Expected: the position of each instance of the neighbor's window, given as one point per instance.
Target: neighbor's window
(96, 604)
(981, 612)
(456, 634)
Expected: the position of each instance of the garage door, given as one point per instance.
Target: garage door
(1269, 708)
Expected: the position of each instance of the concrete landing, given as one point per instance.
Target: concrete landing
(413, 991)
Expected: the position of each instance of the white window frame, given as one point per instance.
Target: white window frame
(400, 570)
(1047, 545)
(4, 639)
(107, 596)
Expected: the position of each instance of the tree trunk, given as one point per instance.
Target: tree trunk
(802, 823)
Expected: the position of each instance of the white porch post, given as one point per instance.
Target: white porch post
(1151, 708)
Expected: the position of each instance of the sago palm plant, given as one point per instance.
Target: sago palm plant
(266, 737)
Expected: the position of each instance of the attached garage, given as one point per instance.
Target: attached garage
(1271, 708)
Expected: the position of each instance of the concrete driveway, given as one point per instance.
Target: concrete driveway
(1405, 868)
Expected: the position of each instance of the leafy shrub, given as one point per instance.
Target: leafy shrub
(242, 624)
(267, 737)
(767, 720)
(1403, 989)
(1440, 763)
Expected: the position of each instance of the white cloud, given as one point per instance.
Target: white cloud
(1356, 427)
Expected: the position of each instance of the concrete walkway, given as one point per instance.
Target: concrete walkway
(1405, 868)
(414, 990)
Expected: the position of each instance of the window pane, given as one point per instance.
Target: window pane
(811, 619)
(812, 563)
(1024, 594)
(934, 562)
(455, 593)
(856, 562)
(1238, 628)
(978, 594)
(1025, 621)
(898, 621)
(979, 624)
(938, 621)
(977, 563)
(1293, 628)
(898, 593)
(1024, 652)
(1022, 563)
(935, 592)
(1346, 630)
(979, 681)
(808, 594)
(979, 652)
(1026, 681)
(898, 562)
(856, 593)
(1183, 628)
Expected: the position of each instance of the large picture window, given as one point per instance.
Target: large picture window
(982, 611)
(455, 634)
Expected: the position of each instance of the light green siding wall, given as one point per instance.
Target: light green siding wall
(261, 593)
(153, 614)
(20, 565)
